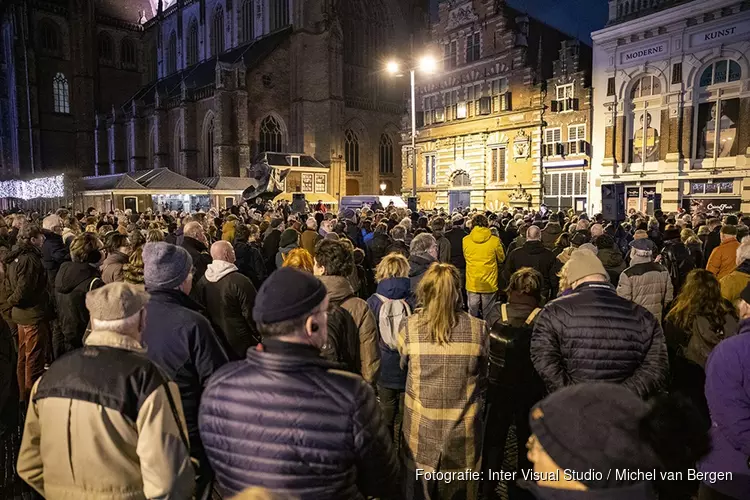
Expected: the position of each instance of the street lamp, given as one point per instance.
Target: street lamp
(428, 65)
(382, 187)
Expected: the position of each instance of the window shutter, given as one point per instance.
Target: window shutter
(501, 164)
(554, 106)
(611, 86)
(583, 147)
(677, 72)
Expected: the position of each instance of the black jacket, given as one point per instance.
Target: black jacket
(250, 263)
(72, 283)
(678, 260)
(713, 240)
(593, 335)
(229, 305)
(199, 253)
(533, 254)
(285, 419)
(696, 252)
(398, 246)
(377, 248)
(54, 254)
(456, 238)
(270, 248)
(418, 265)
(26, 285)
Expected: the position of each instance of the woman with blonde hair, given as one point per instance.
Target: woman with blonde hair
(393, 293)
(154, 235)
(694, 246)
(446, 352)
(299, 258)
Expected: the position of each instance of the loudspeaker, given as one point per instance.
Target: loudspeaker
(411, 202)
(299, 205)
(613, 202)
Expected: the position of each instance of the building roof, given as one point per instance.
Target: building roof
(163, 178)
(226, 183)
(285, 160)
(126, 10)
(110, 182)
(203, 74)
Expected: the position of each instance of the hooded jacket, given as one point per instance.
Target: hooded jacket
(733, 283)
(377, 248)
(26, 285)
(73, 282)
(647, 284)
(484, 254)
(550, 233)
(613, 262)
(270, 248)
(100, 425)
(250, 262)
(723, 259)
(340, 292)
(229, 297)
(112, 267)
(535, 255)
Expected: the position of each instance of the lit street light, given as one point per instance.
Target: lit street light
(426, 64)
(382, 187)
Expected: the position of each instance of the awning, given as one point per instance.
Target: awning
(313, 198)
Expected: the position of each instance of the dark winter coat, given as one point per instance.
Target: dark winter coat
(250, 262)
(377, 248)
(444, 247)
(201, 258)
(696, 252)
(182, 342)
(678, 261)
(229, 297)
(26, 285)
(456, 238)
(713, 240)
(612, 260)
(354, 234)
(418, 265)
(54, 254)
(535, 255)
(595, 335)
(550, 233)
(73, 282)
(398, 246)
(327, 438)
(391, 374)
(270, 247)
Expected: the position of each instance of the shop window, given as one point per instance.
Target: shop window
(564, 190)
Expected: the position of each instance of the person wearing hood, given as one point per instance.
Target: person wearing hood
(228, 297)
(392, 275)
(614, 432)
(289, 241)
(735, 282)
(484, 255)
(676, 257)
(74, 280)
(118, 251)
(551, 232)
(646, 282)
(610, 256)
(54, 251)
(423, 252)
(444, 246)
(536, 255)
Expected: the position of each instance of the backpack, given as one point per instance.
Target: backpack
(342, 345)
(392, 312)
(509, 350)
(679, 262)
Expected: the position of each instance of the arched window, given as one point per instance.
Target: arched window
(208, 147)
(246, 21)
(128, 55)
(717, 119)
(49, 37)
(60, 94)
(217, 32)
(351, 151)
(106, 49)
(461, 179)
(271, 136)
(192, 43)
(279, 14)
(646, 86)
(386, 154)
(172, 53)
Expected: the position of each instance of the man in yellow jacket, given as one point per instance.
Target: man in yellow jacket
(484, 255)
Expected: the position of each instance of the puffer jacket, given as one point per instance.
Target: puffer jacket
(328, 438)
(26, 285)
(484, 255)
(648, 284)
(550, 233)
(733, 283)
(340, 292)
(72, 283)
(112, 267)
(105, 409)
(727, 380)
(723, 259)
(594, 335)
(229, 297)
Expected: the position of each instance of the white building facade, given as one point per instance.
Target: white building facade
(662, 75)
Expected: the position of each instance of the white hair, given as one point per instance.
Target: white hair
(124, 326)
(743, 251)
(51, 222)
(312, 223)
(406, 222)
(422, 243)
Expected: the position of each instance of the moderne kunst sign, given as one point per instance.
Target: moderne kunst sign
(719, 33)
(651, 52)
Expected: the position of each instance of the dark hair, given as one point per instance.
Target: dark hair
(334, 257)
(729, 229)
(563, 241)
(137, 239)
(241, 234)
(479, 220)
(29, 231)
(700, 296)
(438, 224)
(731, 220)
(381, 228)
(114, 241)
(527, 281)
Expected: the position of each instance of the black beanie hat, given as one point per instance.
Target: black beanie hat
(594, 426)
(287, 294)
(745, 294)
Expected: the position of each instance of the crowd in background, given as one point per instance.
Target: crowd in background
(263, 353)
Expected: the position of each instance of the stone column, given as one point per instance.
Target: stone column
(225, 121)
(101, 158)
(136, 135)
(117, 161)
(189, 153)
(161, 146)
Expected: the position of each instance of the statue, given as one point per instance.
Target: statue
(265, 180)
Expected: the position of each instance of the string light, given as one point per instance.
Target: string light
(45, 187)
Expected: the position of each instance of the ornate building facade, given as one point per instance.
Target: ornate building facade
(507, 83)
(672, 103)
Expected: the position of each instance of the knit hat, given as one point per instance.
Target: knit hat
(594, 426)
(116, 301)
(582, 263)
(457, 219)
(671, 234)
(348, 214)
(643, 244)
(288, 237)
(165, 266)
(580, 237)
(604, 241)
(589, 246)
(287, 294)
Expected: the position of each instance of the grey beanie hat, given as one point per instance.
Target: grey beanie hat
(165, 266)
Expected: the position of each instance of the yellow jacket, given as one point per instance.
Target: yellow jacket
(732, 285)
(484, 254)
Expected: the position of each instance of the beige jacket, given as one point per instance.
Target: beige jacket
(101, 426)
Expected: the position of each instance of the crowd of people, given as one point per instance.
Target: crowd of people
(260, 353)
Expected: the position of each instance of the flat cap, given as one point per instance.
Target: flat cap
(116, 301)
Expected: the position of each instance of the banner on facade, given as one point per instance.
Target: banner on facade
(723, 205)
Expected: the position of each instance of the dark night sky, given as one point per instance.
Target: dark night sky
(575, 17)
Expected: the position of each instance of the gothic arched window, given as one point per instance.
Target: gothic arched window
(49, 37)
(279, 14)
(217, 32)
(208, 147)
(192, 43)
(351, 151)
(106, 48)
(128, 55)
(172, 53)
(271, 136)
(386, 154)
(60, 94)
(246, 21)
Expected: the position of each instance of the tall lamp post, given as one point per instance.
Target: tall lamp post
(426, 64)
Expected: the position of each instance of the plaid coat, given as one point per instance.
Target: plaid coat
(443, 417)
